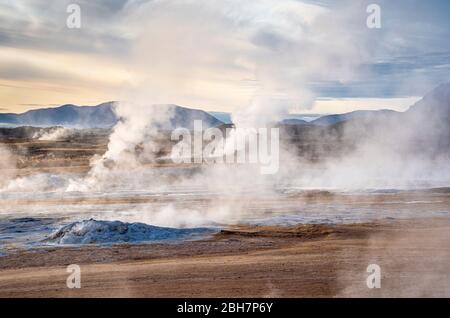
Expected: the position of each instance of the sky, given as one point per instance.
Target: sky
(222, 55)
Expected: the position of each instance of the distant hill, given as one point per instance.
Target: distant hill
(185, 117)
(422, 130)
(359, 114)
(435, 104)
(293, 121)
(100, 116)
(431, 112)
(430, 117)
(222, 116)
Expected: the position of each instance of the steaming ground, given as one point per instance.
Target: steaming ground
(248, 261)
(183, 231)
(151, 196)
(143, 227)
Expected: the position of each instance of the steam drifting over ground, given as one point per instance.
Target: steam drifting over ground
(371, 184)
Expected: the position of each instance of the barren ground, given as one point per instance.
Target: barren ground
(298, 261)
(301, 261)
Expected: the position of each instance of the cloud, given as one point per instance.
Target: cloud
(200, 52)
(35, 24)
(218, 53)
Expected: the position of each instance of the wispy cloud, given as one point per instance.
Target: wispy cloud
(216, 53)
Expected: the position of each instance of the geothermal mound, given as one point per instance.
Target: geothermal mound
(104, 232)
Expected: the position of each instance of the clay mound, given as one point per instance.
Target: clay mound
(107, 232)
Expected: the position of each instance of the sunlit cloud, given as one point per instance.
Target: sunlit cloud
(219, 55)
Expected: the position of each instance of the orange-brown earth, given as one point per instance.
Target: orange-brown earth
(299, 261)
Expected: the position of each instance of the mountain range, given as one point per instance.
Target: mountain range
(434, 107)
(422, 130)
(100, 116)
